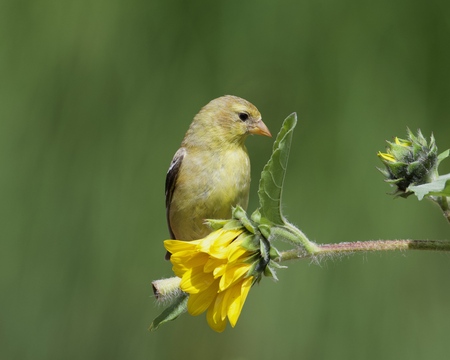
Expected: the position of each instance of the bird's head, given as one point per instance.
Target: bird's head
(228, 119)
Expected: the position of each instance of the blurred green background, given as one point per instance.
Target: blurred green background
(95, 97)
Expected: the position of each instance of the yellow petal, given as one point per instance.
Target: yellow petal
(189, 259)
(387, 157)
(179, 270)
(218, 315)
(205, 243)
(212, 264)
(233, 274)
(219, 248)
(178, 245)
(195, 280)
(216, 323)
(402, 142)
(238, 253)
(198, 303)
(237, 298)
(220, 270)
(184, 260)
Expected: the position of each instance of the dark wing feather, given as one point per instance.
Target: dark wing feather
(171, 180)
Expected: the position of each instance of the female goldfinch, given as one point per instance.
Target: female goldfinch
(210, 172)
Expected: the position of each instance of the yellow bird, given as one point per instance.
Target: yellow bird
(210, 172)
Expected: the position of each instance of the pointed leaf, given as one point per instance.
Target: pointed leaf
(272, 176)
(178, 307)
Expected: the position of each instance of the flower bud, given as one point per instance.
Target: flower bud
(409, 162)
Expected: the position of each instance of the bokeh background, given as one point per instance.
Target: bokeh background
(95, 97)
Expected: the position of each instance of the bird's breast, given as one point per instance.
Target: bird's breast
(210, 183)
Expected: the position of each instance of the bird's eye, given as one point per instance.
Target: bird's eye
(243, 116)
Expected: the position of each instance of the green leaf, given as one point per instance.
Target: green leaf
(438, 187)
(178, 307)
(272, 176)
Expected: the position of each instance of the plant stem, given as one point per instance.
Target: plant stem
(365, 246)
(292, 234)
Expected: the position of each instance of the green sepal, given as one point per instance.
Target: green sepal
(384, 172)
(277, 265)
(270, 269)
(257, 266)
(263, 250)
(400, 151)
(216, 224)
(265, 230)
(443, 155)
(233, 225)
(253, 270)
(438, 187)
(394, 181)
(272, 176)
(270, 272)
(240, 214)
(262, 261)
(397, 168)
(274, 253)
(256, 216)
(178, 307)
(250, 243)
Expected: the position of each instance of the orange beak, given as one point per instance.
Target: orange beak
(260, 129)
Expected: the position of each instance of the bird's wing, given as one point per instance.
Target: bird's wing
(171, 180)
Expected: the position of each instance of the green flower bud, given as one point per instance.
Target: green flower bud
(409, 162)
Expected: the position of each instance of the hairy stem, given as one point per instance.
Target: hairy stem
(290, 233)
(365, 246)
